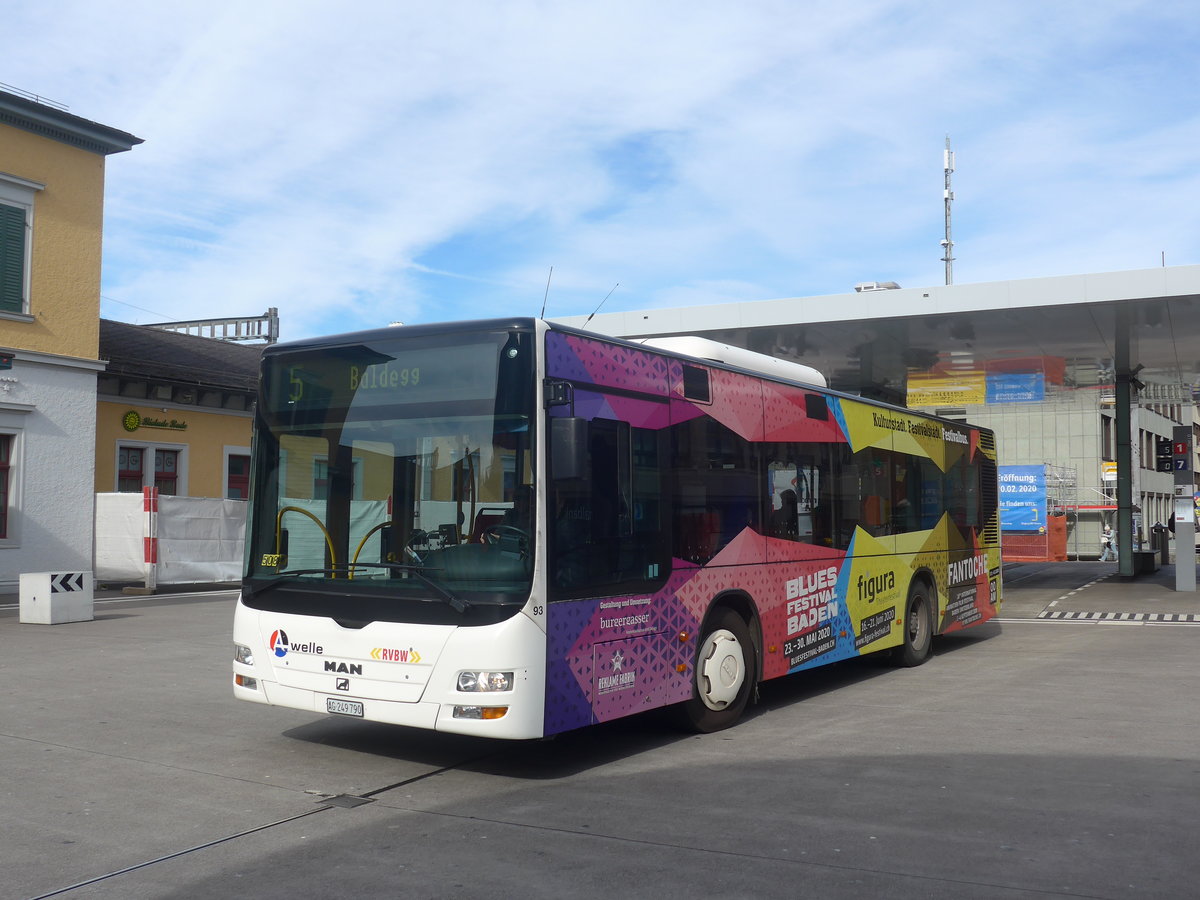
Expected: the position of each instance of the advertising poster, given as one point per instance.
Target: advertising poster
(1022, 498)
(966, 388)
(1016, 387)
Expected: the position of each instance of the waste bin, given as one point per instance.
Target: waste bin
(1161, 536)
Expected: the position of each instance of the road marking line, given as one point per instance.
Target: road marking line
(1159, 620)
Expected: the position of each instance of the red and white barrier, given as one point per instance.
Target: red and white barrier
(150, 536)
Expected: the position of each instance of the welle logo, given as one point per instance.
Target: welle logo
(280, 645)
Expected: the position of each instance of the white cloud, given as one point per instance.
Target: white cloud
(333, 161)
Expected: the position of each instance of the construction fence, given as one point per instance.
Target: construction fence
(162, 540)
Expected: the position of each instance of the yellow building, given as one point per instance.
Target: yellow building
(51, 215)
(173, 411)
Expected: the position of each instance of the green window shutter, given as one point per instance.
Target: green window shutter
(12, 258)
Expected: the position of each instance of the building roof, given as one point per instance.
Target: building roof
(138, 351)
(60, 125)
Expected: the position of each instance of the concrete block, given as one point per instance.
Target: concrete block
(52, 598)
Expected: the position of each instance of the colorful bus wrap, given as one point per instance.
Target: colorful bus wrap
(509, 528)
(811, 598)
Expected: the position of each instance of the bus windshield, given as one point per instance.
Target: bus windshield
(394, 477)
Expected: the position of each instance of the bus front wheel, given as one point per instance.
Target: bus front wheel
(918, 627)
(724, 674)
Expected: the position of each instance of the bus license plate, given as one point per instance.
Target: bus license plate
(343, 707)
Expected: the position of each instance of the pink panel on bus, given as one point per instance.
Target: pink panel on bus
(785, 415)
(638, 412)
(624, 654)
(736, 402)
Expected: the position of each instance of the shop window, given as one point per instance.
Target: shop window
(321, 478)
(237, 478)
(166, 472)
(146, 466)
(320, 489)
(130, 466)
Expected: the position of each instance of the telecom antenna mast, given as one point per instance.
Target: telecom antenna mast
(947, 243)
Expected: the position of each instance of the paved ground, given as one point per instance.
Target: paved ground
(1041, 756)
(1092, 591)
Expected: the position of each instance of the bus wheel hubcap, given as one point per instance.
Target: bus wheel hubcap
(722, 669)
(916, 624)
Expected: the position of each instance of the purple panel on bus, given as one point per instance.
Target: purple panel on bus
(567, 704)
(613, 656)
(605, 365)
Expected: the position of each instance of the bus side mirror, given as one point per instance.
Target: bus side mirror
(568, 447)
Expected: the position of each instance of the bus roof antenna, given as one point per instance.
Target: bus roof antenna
(546, 296)
(597, 309)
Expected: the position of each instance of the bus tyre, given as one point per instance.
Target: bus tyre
(918, 627)
(724, 674)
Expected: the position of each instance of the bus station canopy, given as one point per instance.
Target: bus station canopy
(869, 342)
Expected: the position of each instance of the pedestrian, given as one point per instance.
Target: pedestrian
(1107, 552)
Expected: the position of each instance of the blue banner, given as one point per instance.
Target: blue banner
(1016, 387)
(1022, 498)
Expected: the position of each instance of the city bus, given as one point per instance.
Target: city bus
(512, 528)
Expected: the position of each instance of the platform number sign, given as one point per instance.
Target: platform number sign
(1164, 451)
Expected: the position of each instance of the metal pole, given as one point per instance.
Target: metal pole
(948, 196)
(1124, 390)
(1185, 508)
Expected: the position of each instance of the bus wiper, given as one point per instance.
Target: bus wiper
(458, 604)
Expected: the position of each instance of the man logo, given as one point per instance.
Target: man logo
(343, 684)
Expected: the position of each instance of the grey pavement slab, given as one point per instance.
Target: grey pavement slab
(1029, 758)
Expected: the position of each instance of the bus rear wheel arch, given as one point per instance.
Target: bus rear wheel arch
(724, 676)
(917, 626)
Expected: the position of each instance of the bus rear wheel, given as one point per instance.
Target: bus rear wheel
(724, 675)
(918, 627)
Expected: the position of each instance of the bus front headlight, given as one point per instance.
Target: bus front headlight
(243, 654)
(484, 682)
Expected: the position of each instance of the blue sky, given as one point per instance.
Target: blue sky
(359, 164)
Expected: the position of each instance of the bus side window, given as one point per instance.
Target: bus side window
(962, 494)
(929, 498)
(800, 483)
(785, 519)
(716, 491)
(906, 493)
(783, 514)
(847, 512)
(606, 526)
(875, 490)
